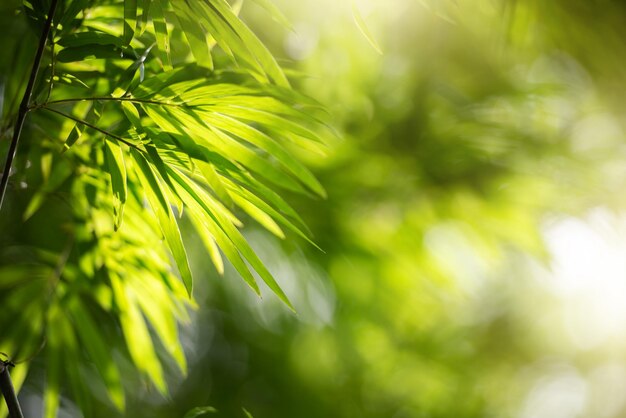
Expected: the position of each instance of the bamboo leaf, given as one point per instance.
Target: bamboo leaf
(161, 33)
(96, 347)
(274, 12)
(160, 205)
(155, 302)
(70, 13)
(250, 198)
(215, 181)
(88, 52)
(116, 167)
(58, 175)
(136, 333)
(209, 243)
(214, 139)
(242, 246)
(206, 218)
(260, 53)
(130, 20)
(260, 216)
(72, 367)
(258, 138)
(89, 38)
(199, 411)
(195, 34)
(238, 41)
(70, 80)
(360, 23)
(93, 115)
(132, 114)
(54, 360)
(142, 20)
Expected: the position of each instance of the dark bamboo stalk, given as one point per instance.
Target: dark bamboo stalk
(6, 387)
(23, 109)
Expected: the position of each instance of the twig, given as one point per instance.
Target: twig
(94, 127)
(105, 98)
(23, 109)
(52, 62)
(6, 386)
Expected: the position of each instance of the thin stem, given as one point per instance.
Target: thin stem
(52, 62)
(94, 127)
(23, 110)
(6, 386)
(105, 98)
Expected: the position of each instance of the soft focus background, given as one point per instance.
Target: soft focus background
(474, 241)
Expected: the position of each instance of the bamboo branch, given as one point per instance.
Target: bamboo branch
(23, 109)
(94, 127)
(107, 98)
(6, 387)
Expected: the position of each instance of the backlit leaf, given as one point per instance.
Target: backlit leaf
(114, 159)
(161, 207)
(130, 18)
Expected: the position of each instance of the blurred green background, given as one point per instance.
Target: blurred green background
(474, 246)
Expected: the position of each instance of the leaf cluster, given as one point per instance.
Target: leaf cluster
(144, 112)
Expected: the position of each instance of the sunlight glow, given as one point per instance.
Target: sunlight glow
(589, 276)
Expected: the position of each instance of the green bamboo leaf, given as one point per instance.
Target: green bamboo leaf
(89, 38)
(92, 117)
(160, 166)
(205, 215)
(116, 167)
(360, 23)
(250, 41)
(136, 333)
(209, 226)
(195, 34)
(199, 411)
(215, 181)
(161, 33)
(72, 367)
(59, 173)
(54, 360)
(228, 38)
(217, 214)
(156, 303)
(194, 94)
(186, 146)
(130, 20)
(132, 114)
(70, 80)
(275, 199)
(260, 216)
(260, 112)
(165, 81)
(256, 263)
(223, 35)
(209, 243)
(88, 52)
(275, 13)
(69, 13)
(160, 205)
(261, 140)
(97, 349)
(251, 198)
(218, 141)
(142, 20)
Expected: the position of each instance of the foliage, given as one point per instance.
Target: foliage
(463, 141)
(481, 125)
(143, 112)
